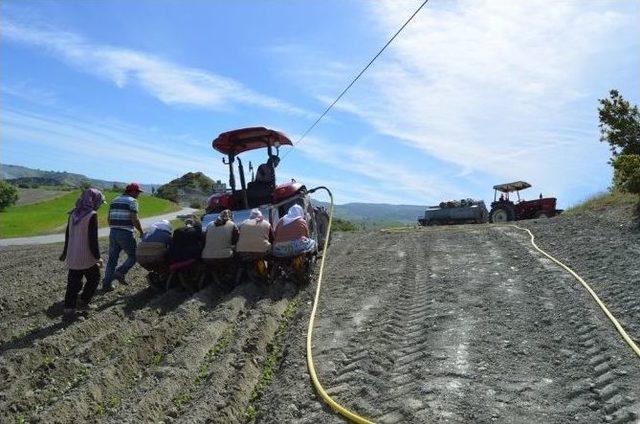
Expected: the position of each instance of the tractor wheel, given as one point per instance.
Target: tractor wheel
(542, 215)
(500, 214)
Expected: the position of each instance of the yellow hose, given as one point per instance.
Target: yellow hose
(593, 294)
(352, 416)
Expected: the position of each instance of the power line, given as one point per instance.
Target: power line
(356, 78)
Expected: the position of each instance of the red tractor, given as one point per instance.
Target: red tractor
(503, 209)
(273, 200)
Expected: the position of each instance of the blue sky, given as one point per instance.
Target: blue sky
(472, 93)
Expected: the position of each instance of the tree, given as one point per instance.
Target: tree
(619, 125)
(626, 173)
(8, 195)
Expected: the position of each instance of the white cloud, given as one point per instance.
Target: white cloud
(379, 180)
(122, 150)
(497, 88)
(487, 84)
(169, 82)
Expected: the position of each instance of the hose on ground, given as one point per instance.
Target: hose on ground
(350, 415)
(593, 294)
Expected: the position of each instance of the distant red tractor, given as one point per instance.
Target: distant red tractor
(503, 209)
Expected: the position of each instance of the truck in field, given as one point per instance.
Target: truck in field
(465, 211)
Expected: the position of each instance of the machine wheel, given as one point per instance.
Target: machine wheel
(501, 214)
(542, 215)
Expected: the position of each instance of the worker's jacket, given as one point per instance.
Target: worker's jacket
(255, 236)
(219, 241)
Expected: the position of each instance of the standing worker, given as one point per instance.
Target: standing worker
(123, 219)
(82, 253)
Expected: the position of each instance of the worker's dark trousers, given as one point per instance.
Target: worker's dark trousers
(74, 285)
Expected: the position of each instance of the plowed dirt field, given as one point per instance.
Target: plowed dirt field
(468, 324)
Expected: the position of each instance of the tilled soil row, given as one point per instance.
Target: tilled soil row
(473, 326)
(141, 356)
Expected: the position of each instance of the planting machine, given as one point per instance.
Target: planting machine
(273, 200)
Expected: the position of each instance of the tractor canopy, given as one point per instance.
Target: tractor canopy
(245, 139)
(511, 187)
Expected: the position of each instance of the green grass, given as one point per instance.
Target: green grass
(50, 216)
(602, 201)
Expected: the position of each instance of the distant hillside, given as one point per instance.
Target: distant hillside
(190, 189)
(21, 175)
(378, 213)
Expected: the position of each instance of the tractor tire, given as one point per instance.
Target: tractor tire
(542, 215)
(501, 214)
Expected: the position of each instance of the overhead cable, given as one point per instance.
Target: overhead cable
(356, 78)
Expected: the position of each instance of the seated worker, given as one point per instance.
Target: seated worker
(254, 243)
(266, 172)
(221, 237)
(255, 235)
(220, 240)
(186, 244)
(292, 234)
(151, 252)
(185, 251)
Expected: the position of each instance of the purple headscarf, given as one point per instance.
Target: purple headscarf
(90, 200)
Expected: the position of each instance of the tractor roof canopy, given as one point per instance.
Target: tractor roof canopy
(509, 187)
(245, 139)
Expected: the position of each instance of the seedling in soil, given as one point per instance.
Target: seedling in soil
(213, 353)
(100, 411)
(157, 358)
(271, 363)
(114, 402)
(182, 400)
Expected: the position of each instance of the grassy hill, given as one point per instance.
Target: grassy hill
(51, 216)
(29, 177)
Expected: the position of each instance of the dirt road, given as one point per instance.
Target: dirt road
(450, 326)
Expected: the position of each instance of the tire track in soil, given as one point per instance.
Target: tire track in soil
(612, 386)
(341, 298)
(476, 330)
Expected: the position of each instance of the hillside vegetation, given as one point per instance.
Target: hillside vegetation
(192, 188)
(603, 201)
(51, 216)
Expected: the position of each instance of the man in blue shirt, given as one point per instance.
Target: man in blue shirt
(123, 220)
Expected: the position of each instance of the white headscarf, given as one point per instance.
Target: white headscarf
(294, 213)
(163, 225)
(256, 214)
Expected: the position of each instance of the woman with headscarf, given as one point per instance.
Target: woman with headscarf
(256, 234)
(151, 252)
(292, 234)
(81, 252)
(221, 237)
(254, 243)
(159, 232)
